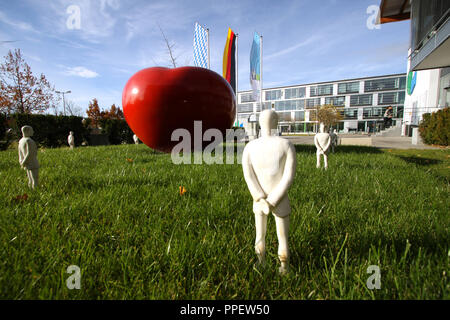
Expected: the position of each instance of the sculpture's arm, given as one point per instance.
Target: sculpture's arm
(317, 143)
(250, 178)
(286, 181)
(26, 153)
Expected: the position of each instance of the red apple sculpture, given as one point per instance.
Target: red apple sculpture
(156, 101)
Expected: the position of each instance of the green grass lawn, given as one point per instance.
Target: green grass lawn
(125, 224)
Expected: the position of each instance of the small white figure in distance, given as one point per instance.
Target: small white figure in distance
(322, 140)
(28, 156)
(71, 140)
(269, 165)
(136, 139)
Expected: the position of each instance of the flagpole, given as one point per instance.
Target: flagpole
(237, 66)
(207, 33)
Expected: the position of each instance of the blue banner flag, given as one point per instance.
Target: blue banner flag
(255, 66)
(200, 46)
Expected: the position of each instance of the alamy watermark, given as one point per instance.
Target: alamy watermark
(74, 281)
(374, 281)
(74, 19)
(371, 22)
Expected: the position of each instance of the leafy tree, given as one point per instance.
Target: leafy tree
(95, 114)
(327, 114)
(20, 90)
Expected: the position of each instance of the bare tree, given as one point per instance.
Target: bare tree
(73, 110)
(170, 48)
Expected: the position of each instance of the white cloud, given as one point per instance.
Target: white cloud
(81, 72)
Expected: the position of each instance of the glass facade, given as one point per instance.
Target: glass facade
(247, 97)
(361, 100)
(426, 16)
(292, 93)
(360, 112)
(247, 107)
(312, 103)
(290, 105)
(273, 95)
(335, 101)
(322, 90)
(391, 97)
(348, 87)
(385, 84)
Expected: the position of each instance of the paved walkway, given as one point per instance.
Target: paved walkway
(379, 142)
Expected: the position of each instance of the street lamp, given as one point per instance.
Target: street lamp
(64, 101)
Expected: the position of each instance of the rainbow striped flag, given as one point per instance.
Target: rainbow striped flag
(229, 59)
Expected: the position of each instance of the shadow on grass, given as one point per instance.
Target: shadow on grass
(339, 149)
(420, 161)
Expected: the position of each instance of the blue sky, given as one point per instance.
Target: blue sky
(304, 41)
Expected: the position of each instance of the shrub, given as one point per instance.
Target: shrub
(435, 127)
(117, 130)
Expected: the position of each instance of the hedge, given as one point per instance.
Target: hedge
(435, 127)
(117, 130)
(49, 130)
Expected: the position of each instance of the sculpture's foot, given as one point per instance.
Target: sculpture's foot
(283, 269)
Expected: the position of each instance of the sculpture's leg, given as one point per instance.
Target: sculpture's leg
(318, 159)
(34, 174)
(260, 241)
(325, 160)
(30, 179)
(283, 245)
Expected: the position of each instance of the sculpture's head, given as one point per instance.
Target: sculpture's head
(322, 127)
(335, 131)
(71, 133)
(268, 120)
(27, 131)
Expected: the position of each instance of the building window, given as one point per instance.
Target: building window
(361, 100)
(312, 103)
(273, 95)
(349, 114)
(247, 97)
(322, 90)
(247, 107)
(284, 117)
(348, 87)
(384, 84)
(391, 98)
(294, 93)
(299, 116)
(335, 101)
(287, 105)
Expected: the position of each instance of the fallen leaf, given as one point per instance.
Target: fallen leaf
(129, 160)
(23, 197)
(182, 190)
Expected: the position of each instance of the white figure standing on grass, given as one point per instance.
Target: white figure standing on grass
(269, 165)
(28, 156)
(71, 140)
(334, 140)
(136, 139)
(322, 140)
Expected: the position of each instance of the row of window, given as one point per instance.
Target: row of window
(398, 83)
(385, 98)
(347, 114)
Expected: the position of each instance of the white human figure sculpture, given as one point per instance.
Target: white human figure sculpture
(136, 139)
(71, 140)
(269, 165)
(322, 140)
(334, 140)
(28, 156)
